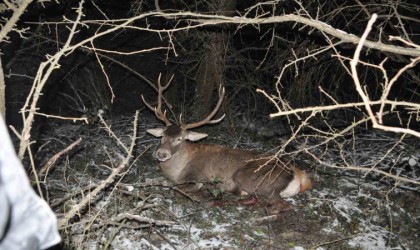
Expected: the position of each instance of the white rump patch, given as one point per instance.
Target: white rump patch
(243, 193)
(291, 189)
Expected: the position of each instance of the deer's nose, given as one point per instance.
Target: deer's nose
(163, 154)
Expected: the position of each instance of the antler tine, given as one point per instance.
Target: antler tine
(158, 110)
(161, 116)
(208, 120)
(217, 120)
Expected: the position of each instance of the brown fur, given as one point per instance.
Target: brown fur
(205, 163)
(238, 170)
(265, 182)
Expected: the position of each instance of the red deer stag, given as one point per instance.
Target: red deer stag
(238, 170)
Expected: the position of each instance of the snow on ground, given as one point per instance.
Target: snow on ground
(344, 210)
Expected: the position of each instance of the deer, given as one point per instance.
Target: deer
(238, 171)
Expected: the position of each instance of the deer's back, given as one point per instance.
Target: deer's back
(208, 162)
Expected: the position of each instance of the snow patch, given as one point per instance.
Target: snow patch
(374, 237)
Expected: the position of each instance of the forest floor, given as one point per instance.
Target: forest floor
(142, 210)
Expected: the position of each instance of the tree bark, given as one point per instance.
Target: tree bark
(210, 73)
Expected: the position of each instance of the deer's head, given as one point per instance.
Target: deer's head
(174, 136)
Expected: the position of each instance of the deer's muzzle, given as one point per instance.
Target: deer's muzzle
(163, 154)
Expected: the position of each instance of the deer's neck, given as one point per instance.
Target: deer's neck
(174, 167)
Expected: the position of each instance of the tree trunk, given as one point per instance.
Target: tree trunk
(210, 73)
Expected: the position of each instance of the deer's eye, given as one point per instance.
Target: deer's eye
(179, 139)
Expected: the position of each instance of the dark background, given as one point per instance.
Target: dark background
(250, 57)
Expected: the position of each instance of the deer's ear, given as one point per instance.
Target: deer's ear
(194, 136)
(156, 132)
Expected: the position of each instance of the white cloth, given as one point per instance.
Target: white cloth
(26, 220)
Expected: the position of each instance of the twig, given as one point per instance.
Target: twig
(280, 112)
(108, 128)
(184, 193)
(91, 195)
(42, 75)
(63, 117)
(53, 159)
(349, 167)
(8, 26)
(386, 154)
(363, 95)
(389, 85)
(206, 20)
(264, 219)
(54, 203)
(62, 222)
(331, 242)
(142, 219)
(202, 20)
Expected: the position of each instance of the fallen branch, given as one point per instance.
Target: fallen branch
(53, 159)
(111, 178)
(265, 219)
(142, 219)
(319, 246)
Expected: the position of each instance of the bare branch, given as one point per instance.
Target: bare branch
(349, 167)
(111, 178)
(53, 159)
(8, 26)
(361, 92)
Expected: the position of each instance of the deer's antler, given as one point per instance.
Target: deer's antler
(207, 120)
(158, 110)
